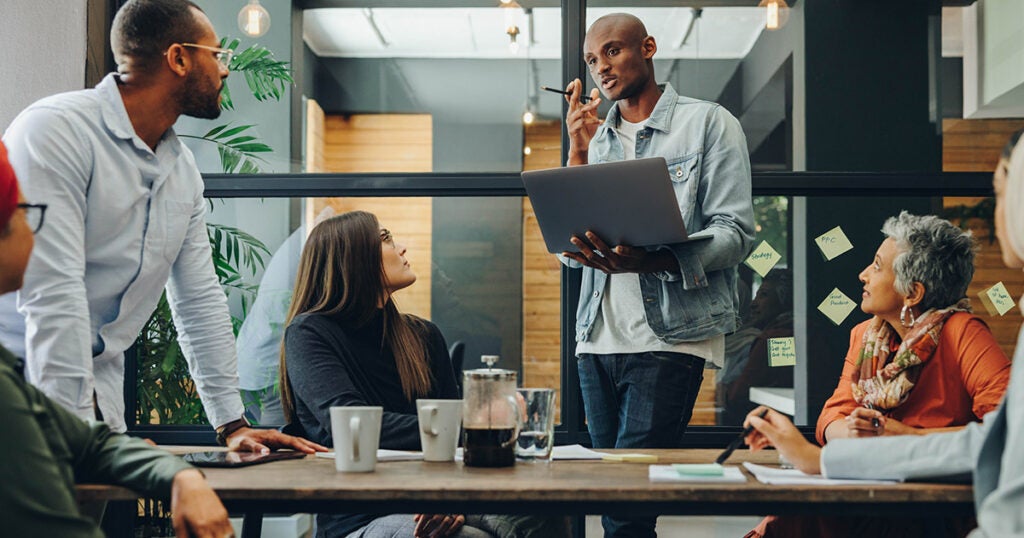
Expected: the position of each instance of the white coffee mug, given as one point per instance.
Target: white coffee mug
(356, 435)
(440, 422)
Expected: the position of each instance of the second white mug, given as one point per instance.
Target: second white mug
(356, 435)
(440, 424)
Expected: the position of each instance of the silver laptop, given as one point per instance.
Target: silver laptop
(625, 203)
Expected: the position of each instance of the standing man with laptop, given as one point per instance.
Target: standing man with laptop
(649, 318)
(125, 220)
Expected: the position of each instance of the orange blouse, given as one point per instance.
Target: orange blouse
(960, 383)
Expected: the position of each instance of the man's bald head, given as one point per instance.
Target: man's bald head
(628, 26)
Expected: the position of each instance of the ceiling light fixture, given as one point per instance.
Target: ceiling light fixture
(776, 13)
(254, 19)
(513, 38)
(528, 116)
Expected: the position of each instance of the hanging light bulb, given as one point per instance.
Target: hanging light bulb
(254, 19)
(776, 13)
(528, 117)
(513, 38)
(527, 150)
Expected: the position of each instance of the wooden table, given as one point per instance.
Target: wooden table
(559, 487)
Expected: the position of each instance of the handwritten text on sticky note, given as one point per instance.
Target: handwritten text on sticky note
(782, 351)
(763, 258)
(833, 243)
(837, 306)
(997, 299)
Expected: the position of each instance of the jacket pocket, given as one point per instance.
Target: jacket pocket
(685, 174)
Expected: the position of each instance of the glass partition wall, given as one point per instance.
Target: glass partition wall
(425, 115)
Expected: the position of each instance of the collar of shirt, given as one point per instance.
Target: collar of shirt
(661, 116)
(115, 117)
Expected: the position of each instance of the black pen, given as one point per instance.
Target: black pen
(738, 441)
(583, 98)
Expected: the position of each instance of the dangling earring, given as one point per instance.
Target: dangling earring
(904, 314)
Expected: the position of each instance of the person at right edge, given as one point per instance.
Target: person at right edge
(649, 318)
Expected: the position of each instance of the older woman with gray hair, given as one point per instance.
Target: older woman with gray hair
(921, 364)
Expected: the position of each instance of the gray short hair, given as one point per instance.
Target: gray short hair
(935, 253)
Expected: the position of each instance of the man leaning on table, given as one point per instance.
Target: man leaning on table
(53, 449)
(648, 319)
(126, 218)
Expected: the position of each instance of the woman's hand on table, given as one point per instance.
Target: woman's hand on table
(861, 422)
(196, 511)
(437, 525)
(264, 440)
(776, 430)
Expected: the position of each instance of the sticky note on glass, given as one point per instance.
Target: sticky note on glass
(996, 299)
(699, 469)
(837, 306)
(782, 351)
(833, 243)
(763, 259)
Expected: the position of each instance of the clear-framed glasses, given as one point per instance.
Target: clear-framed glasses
(223, 55)
(386, 237)
(34, 214)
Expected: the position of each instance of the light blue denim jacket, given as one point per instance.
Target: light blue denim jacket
(708, 162)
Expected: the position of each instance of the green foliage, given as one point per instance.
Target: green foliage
(164, 385)
(771, 218)
(165, 391)
(266, 77)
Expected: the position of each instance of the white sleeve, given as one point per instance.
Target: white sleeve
(201, 316)
(54, 167)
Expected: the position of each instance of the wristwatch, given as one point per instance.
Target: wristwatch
(226, 430)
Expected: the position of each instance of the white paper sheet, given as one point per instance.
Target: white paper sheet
(795, 477)
(385, 455)
(574, 452)
(668, 473)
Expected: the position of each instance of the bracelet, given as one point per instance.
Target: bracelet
(226, 430)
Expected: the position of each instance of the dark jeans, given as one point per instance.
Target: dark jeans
(638, 400)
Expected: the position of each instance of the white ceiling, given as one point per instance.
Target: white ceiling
(720, 33)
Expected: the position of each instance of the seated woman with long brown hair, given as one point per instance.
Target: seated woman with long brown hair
(346, 344)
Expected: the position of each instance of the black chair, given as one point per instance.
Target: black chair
(456, 352)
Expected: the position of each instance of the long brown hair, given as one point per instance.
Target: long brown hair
(341, 273)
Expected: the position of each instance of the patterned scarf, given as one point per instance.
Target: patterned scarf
(883, 384)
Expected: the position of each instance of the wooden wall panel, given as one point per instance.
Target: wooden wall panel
(387, 143)
(975, 146)
(541, 271)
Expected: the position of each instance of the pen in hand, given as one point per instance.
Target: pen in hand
(583, 98)
(875, 423)
(738, 440)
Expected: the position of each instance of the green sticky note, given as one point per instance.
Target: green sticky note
(833, 243)
(763, 258)
(782, 351)
(996, 299)
(837, 306)
(698, 469)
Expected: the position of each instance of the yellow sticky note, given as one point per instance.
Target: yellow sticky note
(763, 258)
(833, 243)
(631, 458)
(837, 306)
(996, 299)
(782, 351)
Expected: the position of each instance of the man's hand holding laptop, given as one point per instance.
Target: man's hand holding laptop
(595, 253)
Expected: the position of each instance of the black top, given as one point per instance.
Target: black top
(332, 363)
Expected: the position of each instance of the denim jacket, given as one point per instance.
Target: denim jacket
(708, 162)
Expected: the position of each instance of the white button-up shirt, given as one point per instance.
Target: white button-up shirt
(123, 222)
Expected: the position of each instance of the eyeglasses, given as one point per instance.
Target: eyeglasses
(223, 55)
(34, 214)
(386, 237)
